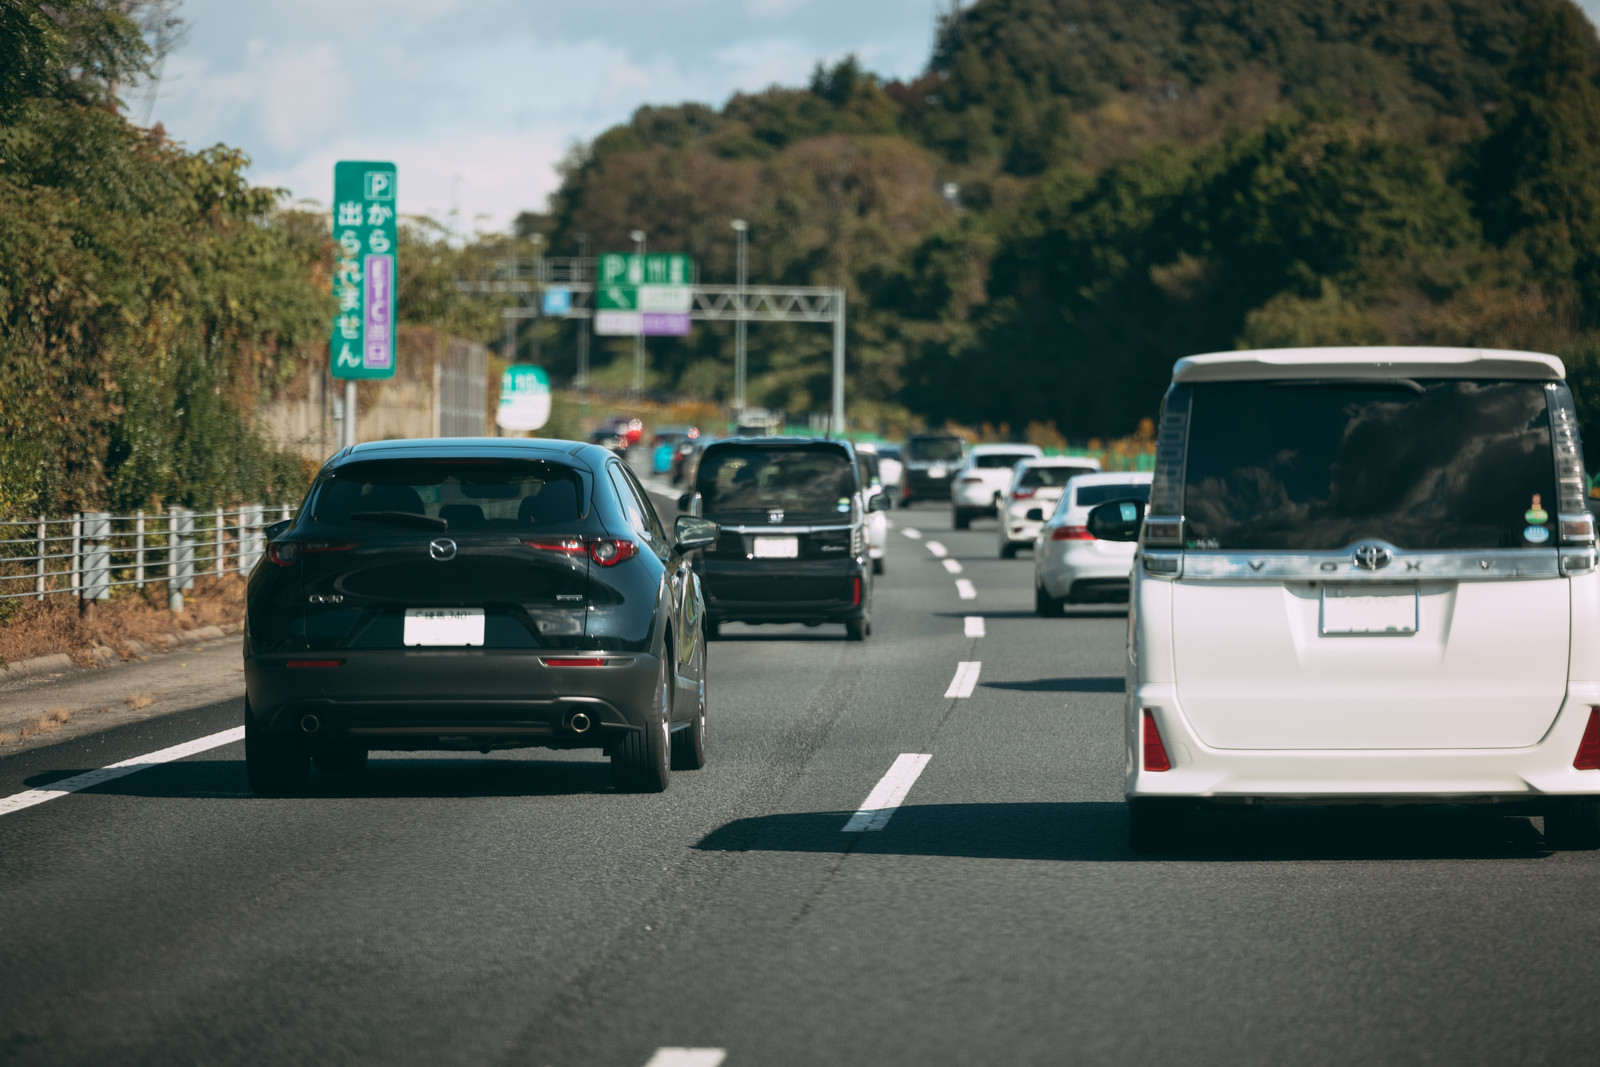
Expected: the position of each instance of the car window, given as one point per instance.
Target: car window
(651, 516)
(1050, 477)
(798, 481)
(1087, 496)
(641, 516)
(934, 449)
(1320, 465)
(992, 460)
(467, 494)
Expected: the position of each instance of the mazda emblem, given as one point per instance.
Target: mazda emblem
(1370, 557)
(442, 548)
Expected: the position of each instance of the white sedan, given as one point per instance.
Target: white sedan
(1069, 565)
(1036, 486)
(981, 483)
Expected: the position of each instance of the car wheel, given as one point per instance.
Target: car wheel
(276, 765)
(857, 629)
(877, 565)
(1046, 606)
(961, 518)
(713, 630)
(643, 761)
(1008, 550)
(345, 759)
(1573, 825)
(689, 746)
(1155, 824)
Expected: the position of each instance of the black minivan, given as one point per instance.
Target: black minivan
(793, 546)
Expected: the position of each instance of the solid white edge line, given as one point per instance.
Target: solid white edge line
(687, 1057)
(974, 626)
(912, 532)
(937, 549)
(953, 566)
(965, 681)
(889, 793)
(78, 782)
(964, 589)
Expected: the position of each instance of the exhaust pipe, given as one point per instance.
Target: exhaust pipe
(580, 723)
(310, 724)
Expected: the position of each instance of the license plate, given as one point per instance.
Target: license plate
(444, 626)
(1356, 612)
(937, 472)
(777, 548)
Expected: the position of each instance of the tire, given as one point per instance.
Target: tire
(643, 761)
(1573, 825)
(877, 565)
(857, 629)
(961, 518)
(1046, 606)
(1155, 824)
(342, 760)
(689, 746)
(277, 766)
(1008, 550)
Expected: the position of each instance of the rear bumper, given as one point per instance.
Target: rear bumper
(451, 699)
(978, 497)
(917, 485)
(1508, 775)
(1070, 573)
(801, 591)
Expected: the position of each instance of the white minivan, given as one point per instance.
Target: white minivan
(1366, 575)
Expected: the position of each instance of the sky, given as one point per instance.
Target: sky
(481, 98)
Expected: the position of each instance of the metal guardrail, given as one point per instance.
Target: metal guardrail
(90, 553)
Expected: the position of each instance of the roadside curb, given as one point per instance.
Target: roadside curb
(105, 656)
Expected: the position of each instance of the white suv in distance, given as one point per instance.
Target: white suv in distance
(1367, 575)
(1036, 486)
(1071, 565)
(981, 483)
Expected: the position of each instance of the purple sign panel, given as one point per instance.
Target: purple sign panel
(378, 343)
(664, 324)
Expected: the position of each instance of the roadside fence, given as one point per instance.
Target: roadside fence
(91, 552)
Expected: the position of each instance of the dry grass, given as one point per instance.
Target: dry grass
(135, 701)
(48, 723)
(6, 737)
(35, 628)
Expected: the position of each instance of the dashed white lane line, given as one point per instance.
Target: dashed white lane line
(937, 549)
(952, 566)
(974, 626)
(965, 681)
(78, 782)
(888, 794)
(914, 534)
(687, 1057)
(964, 590)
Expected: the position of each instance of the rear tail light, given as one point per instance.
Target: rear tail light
(1071, 533)
(1588, 758)
(315, 663)
(855, 590)
(331, 546)
(587, 661)
(606, 551)
(572, 546)
(971, 479)
(288, 553)
(1167, 532)
(1155, 753)
(1023, 494)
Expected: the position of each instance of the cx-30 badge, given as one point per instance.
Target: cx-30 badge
(442, 548)
(1370, 557)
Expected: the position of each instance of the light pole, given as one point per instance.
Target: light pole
(741, 228)
(637, 237)
(583, 327)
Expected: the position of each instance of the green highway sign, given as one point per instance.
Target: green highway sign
(636, 269)
(524, 398)
(649, 294)
(363, 344)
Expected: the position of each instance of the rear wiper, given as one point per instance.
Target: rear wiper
(402, 518)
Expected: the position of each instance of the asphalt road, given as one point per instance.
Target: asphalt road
(514, 910)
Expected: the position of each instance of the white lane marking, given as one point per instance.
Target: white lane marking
(912, 533)
(952, 566)
(687, 1057)
(964, 590)
(974, 626)
(888, 794)
(965, 681)
(937, 549)
(18, 801)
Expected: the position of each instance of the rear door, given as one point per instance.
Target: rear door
(1369, 565)
(448, 539)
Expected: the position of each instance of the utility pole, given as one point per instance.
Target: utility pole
(583, 327)
(638, 238)
(838, 361)
(741, 228)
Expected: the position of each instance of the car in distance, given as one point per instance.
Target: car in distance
(981, 483)
(664, 446)
(929, 460)
(1036, 485)
(475, 594)
(877, 518)
(609, 439)
(793, 548)
(1367, 575)
(1070, 564)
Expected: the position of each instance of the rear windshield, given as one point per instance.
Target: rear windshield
(934, 449)
(1087, 496)
(796, 481)
(1320, 465)
(992, 460)
(1050, 477)
(452, 494)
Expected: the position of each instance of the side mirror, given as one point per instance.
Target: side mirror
(277, 529)
(1116, 520)
(690, 503)
(684, 500)
(878, 502)
(692, 533)
(1035, 515)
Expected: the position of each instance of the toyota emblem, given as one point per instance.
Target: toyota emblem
(442, 548)
(1370, 557)
(774, 516)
